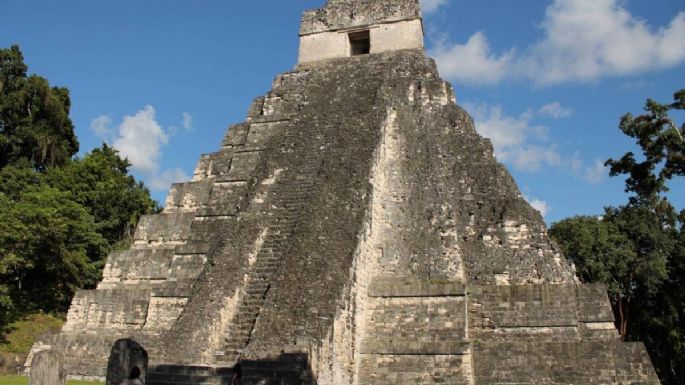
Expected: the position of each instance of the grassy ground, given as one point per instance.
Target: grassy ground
(22, 333)
(21, 380)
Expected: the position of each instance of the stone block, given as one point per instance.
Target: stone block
(186, 266)
(593, 363)
(413, 287)
(113, 309)
(340, 14)
(236, 135)
(131, 265)
(494, 306)
(256, 107)
(593, 304)
(163, 312)
(165, 227)
(260, 133)
(202, 167)
(242, 166)
(193, 246)
(225, 199)
(47, 368)
(414, 347)
(420, 319)
(188, 195)
(173, 289)
(415, 369)
(220, 163)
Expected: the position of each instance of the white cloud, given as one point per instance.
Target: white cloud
(596, 172)
(472, 62)
(539, 205)
(187, 121)
(429, 6)
(516, 140)
(531, 157)
(101, 126)
(555, 110)
(583, 40)
(140, 139)
(525, 146)
(186, 125)
(589, 39)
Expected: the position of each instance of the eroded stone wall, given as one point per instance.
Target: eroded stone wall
(343, 14)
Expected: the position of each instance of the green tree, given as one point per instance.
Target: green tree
(57, 227)
(59, 215)
(34, 117)
(663, 150)
(638, 249)
(100, 181)
(49, 248)
(626, 249)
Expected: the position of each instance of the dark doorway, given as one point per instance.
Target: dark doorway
(360, 43)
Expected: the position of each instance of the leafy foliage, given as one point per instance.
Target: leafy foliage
(638, 250)
(100, 182)
(34, 117)
(626, 249)
(59, 215)
(663, 149)
(49, 247)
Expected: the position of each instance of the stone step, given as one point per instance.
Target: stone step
(250, 308)
(268, 264)
(239, 334)
(190, 370)
(287, 371)
(234, 347)
(255, 292)
(255, 298)
(251, 367)
(188, 375)
(180, 379)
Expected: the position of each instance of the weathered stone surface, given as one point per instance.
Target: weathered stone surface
(126, 357)
(127, 266)
(416, 369)
(415, 288)
(354, 229)
(188, 196)
(47, 368)
(533, 363)
(342, 14)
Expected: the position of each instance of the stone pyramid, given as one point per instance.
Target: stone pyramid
(354, 229)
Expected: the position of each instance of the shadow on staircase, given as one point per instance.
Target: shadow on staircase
(287, 369)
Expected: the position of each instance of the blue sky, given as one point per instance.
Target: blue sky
(546, 80)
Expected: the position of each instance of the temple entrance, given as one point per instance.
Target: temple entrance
(360, 43)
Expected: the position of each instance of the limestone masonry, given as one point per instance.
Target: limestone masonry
(354, 229)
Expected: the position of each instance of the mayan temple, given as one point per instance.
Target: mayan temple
(354, 229)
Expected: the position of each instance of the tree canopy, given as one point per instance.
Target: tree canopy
(638, 249)
(60, 215)
(34, 117)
